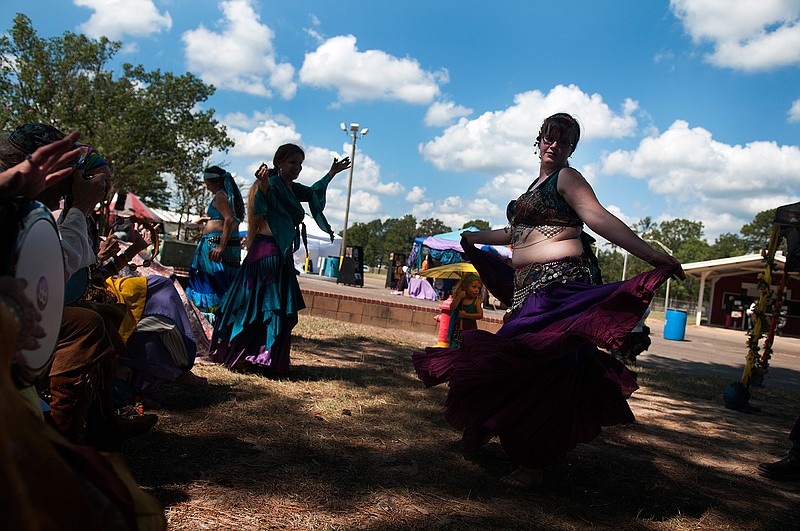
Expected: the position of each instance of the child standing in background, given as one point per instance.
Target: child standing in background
(466, 309)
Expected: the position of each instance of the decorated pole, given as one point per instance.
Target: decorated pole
(754, 362)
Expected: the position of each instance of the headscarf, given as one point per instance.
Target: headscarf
(90, 158)
(235, 200)
(30, 137)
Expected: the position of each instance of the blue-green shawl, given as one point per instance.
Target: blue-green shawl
(281, 208)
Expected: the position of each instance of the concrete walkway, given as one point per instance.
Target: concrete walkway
(704, 350)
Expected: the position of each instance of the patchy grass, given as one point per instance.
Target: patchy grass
(354, 441)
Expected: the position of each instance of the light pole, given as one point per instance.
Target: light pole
(353, 131)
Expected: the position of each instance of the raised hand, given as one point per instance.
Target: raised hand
(339, 165)
(42, 169)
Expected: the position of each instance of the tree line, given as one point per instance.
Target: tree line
(147, 124)
(681, 237)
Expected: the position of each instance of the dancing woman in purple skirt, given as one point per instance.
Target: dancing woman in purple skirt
(541, 384)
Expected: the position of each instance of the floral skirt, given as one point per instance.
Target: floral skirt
(541, 384)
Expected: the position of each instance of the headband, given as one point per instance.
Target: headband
(90, 158)
(30, 137)
(469, 279)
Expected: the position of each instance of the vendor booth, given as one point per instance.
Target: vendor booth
(320, 247)
(445, 248)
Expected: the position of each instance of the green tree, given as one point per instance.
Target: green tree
(756, 234)
(369, 237)
(381, 238)
(431, 226)
(727, 245)
(675, 232)
(146, 124)
(479, 224)
(398, 234)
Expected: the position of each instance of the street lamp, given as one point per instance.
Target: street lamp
(353, 131)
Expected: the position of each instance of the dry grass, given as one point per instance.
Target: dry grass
(354, 441)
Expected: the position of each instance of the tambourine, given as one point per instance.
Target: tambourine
(31, 250)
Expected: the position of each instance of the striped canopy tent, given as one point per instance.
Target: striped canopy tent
(128, 203)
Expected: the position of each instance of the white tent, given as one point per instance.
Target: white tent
(319, 245)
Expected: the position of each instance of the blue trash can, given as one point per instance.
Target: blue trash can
(675, 325)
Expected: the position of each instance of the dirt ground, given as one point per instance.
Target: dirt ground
(352, 440)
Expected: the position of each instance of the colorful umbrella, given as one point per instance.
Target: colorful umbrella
(449, 271)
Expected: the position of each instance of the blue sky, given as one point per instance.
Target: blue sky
(689, 108)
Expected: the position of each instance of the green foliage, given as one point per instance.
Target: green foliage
(368, 236)
(381, 238)
(430, 227)
(146, 124)
(675, 232)
(479, 224)
(727, 245)
(756, 234)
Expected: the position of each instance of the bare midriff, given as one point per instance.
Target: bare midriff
(213, 225)
(536, 247)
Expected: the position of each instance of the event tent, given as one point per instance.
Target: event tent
(446, 248)
(319, 246)
(130, 204)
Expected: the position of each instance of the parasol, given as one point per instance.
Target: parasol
(449, 271)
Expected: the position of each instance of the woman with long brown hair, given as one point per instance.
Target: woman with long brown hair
(254, 324)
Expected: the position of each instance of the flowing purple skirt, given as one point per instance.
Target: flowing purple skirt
(253, 327)
(541, 384)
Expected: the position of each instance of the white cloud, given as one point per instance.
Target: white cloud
(366, 174)
(240, 57)
(454, 211)
(443, 113)
(260, 136)
(368, 75)
(364, 207)
(722, 185)
(416, 195)
(501, 142)
(257, 136)
(794, 111)
(115, 18)
(745, 35)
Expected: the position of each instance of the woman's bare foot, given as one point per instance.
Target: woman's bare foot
(523, 478)
(190, 379)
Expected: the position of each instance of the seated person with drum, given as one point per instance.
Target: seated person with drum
(82, 370)
(36, 458)
(159, 340)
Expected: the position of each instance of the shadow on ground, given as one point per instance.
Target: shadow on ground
(378, 455)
